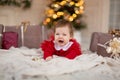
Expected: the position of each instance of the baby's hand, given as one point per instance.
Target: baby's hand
(48, 58)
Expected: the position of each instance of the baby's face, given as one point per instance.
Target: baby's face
(62, 35)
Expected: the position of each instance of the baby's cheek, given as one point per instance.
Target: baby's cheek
(56, 37)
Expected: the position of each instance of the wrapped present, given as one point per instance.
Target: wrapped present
(13, 29)
(98, 41)
(109, 48)
(9, 39)
(23, 28)
(102, 43)
(31, 35)
(113, 47)
(28, 35)
(1, 31)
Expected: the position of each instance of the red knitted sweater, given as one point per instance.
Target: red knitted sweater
(71, 53)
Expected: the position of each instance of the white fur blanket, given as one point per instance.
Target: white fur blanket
(23, 63)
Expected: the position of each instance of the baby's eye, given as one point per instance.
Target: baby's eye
(64, 34)
(57, 34)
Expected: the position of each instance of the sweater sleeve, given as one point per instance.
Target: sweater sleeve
(74, 51)
(48, 48)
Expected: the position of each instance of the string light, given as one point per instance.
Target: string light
(54, 16)
(72, 3)
(63, 3)
(64, 9)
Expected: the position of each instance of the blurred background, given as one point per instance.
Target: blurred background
(99, 15)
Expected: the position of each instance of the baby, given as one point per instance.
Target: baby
(63, 43)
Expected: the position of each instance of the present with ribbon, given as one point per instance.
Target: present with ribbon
(28, 35)
(1, 32)
(114, 47)
(103, 39)
(110, 48)
(31, 35)
(23, 26)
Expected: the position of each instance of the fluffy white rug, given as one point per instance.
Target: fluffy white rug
(20, 63)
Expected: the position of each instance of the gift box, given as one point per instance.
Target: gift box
(32, 37)
(103, 41)
(9, 39)
(98, 43)
(1, 31)
(13, 29)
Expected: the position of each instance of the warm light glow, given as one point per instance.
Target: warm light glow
(56, 5)
(72, 3)
(67, 0)
(50, 11)
(74, 15)
(81, 11)
(54, 16)
(60, 13)
(70, 18)
(81, 2)
(48, 20)
(77, 4)
(63, 3)
(76, 11)
(81, 7)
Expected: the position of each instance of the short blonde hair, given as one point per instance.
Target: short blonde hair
(64, 23)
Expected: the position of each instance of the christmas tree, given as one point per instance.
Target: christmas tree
(71, 10)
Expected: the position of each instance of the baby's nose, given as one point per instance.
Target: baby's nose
(60, 36)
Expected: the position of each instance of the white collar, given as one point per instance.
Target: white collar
(68, 45)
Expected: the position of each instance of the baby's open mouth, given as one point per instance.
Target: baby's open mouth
(60, 41)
